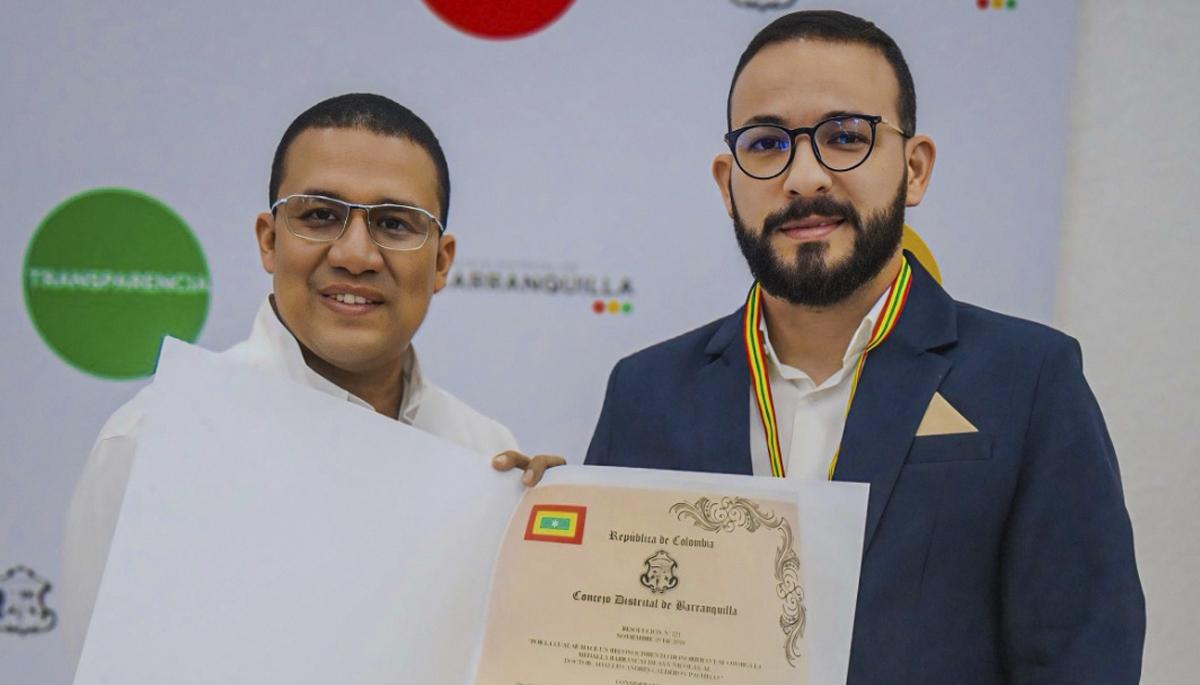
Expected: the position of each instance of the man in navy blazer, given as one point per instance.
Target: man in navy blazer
(998, 548)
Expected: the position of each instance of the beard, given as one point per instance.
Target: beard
(810, 281)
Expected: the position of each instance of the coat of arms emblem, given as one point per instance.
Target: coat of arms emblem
(660, 573)
(23, 607)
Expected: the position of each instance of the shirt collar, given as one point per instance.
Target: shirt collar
(276, 345)
(858, 343)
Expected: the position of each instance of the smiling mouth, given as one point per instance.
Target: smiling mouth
(347, 298)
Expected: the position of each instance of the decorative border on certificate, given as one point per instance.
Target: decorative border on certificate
(556, 523)
(730, 513)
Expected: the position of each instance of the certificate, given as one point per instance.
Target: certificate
(345, 547)
(619, 584)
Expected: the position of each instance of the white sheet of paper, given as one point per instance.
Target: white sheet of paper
(271, 534)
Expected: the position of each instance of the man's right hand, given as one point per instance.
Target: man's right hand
(534, 466)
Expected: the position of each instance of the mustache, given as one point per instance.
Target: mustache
(802, 208)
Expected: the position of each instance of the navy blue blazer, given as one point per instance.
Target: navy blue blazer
(1001, 556)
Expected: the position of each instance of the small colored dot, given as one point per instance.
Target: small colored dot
(998, 4)
(1012, 4)
(982, 4)
(598, 306)
(613, 306)
(627, 307)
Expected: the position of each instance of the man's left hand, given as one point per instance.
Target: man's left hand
(534, 466)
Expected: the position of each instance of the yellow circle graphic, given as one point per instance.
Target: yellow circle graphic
(913, 243)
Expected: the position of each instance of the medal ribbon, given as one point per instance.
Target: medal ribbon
(755, 354)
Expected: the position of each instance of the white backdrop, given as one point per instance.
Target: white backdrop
(1125, 290)
(552, 177)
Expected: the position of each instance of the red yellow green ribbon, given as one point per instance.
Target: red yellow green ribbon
(756, 356)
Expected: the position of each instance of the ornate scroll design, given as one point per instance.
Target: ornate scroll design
(730, 513)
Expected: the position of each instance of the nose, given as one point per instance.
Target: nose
(806, 176)
(354, 250)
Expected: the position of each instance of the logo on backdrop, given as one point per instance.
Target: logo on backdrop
(499, 20)
(601, 293)
(996, 4)
(107, 274)
(23, 609)
(765, 4)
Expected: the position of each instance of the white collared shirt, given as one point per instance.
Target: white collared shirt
(92, 515)
(810, 417)
(423, 405)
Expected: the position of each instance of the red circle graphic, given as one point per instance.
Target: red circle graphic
(499, 20)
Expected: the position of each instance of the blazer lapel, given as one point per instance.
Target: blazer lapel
(720, 397)
(898, 381)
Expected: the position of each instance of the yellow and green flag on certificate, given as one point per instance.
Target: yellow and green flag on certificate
(556, 523)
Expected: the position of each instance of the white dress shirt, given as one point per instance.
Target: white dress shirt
(92, 515)
(810, 417)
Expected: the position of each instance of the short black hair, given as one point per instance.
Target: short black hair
(834, 27)
(376, 114)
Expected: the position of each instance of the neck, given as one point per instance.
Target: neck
(382, 388)
(814, 339)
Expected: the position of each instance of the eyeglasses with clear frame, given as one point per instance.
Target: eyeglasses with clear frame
(840, 143)
(324, 219)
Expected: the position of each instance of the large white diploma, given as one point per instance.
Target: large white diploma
(274, 534)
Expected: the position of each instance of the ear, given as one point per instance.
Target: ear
(921, 154)
(264, 231)
(722, 168)
(445, 259)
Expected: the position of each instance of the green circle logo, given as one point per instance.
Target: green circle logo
(108, 273)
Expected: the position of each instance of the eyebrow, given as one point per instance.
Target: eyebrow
(764, 119)
(779, 121)
(378, 200)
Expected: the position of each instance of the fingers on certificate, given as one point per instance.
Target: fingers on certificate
(534, 467)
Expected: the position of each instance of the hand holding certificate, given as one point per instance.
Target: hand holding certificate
(320, 554)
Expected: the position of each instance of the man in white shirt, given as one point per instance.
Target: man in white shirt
(356, 246)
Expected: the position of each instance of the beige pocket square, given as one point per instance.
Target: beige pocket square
(942, 419)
